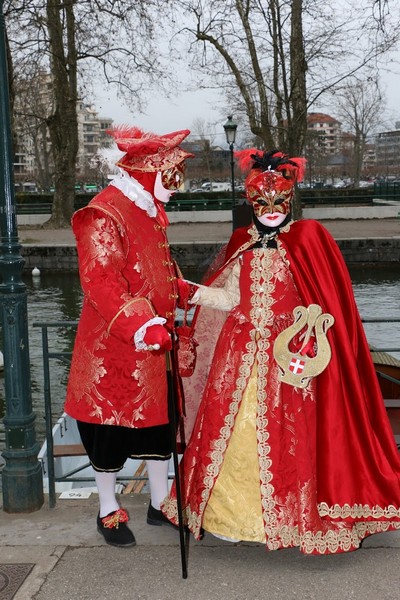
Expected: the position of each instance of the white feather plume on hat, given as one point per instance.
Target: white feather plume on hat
(106, 159)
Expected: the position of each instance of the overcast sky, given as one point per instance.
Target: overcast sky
(163, 115)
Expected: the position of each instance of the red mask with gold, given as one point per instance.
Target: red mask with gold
(270, 183)
(269, 192)
(173, 178)
(168, 181)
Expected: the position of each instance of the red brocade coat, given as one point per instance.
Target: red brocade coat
(327, 470)
(128, 277)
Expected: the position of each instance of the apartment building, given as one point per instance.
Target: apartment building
(324, 133)
(387, 144)
(32, 146)
(91, 137)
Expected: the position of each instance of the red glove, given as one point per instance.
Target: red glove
(186, 292)
(158, 338)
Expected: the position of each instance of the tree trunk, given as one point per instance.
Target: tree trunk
(359, 145)
(298, 69)
(63, 123)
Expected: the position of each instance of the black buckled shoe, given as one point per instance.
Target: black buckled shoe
(156, 517)
(114, 529)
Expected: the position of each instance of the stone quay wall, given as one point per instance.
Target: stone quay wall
(198, 255)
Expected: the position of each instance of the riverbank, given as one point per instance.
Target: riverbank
(361, 241)
(220, 231)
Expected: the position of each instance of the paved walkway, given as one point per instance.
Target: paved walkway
(220, 232)
(72, 562)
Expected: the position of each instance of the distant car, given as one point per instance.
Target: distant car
(197, 191)
(365, 184)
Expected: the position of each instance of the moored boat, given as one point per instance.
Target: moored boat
(387, 368)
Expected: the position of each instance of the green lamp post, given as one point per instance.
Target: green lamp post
(230, 132)
(22, 478)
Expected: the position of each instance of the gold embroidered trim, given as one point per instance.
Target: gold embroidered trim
(261, 315)
(220, 444)
(134, 300)
(343, 539)
(287, 227)
(254, 235)
(358, 511)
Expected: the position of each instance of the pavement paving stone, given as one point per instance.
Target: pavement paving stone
(72, 562)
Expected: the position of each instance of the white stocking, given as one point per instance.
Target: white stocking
(106, 488)
(157, 471)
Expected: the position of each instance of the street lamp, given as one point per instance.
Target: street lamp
(22, 474)
(230, 132)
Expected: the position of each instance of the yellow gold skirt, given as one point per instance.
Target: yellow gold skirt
(234, 507)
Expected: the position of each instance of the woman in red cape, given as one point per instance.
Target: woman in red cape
(315, 466)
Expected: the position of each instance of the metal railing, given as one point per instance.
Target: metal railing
(65, 357)
(201, 202)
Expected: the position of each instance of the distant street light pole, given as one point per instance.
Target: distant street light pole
(22, 474)
(230, 132)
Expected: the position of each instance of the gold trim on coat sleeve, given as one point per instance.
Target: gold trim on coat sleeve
(133, 301)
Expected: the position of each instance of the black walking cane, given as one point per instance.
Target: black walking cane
(173, 412)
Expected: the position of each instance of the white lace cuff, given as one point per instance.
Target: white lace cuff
(141, 332)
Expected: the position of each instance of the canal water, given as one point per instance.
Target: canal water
(57, 297)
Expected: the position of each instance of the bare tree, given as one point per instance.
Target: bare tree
(274, 59)
(202, 131)
(63, 123)
(360, 105)
(243, 37)
(72, 39)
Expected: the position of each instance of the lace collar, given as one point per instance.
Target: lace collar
(134, 190)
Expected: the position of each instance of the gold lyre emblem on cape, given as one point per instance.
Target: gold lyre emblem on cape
(296, 368)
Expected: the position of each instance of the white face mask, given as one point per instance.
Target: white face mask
(161, 193)
(272, 219)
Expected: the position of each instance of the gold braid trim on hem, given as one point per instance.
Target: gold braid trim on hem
(170, 508)
(344, 539)
(358, 511)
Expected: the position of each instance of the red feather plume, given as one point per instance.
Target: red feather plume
(245, 158)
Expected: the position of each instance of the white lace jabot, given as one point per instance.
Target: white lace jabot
(134, 190)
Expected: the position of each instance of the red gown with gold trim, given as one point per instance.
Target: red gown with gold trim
(315, 467)
(128, 277)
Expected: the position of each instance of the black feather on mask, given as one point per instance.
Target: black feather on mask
(271, 160)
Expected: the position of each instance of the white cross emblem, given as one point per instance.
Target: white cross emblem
(296, 365)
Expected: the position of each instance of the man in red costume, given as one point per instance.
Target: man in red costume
(277, 456)
(117, 389)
